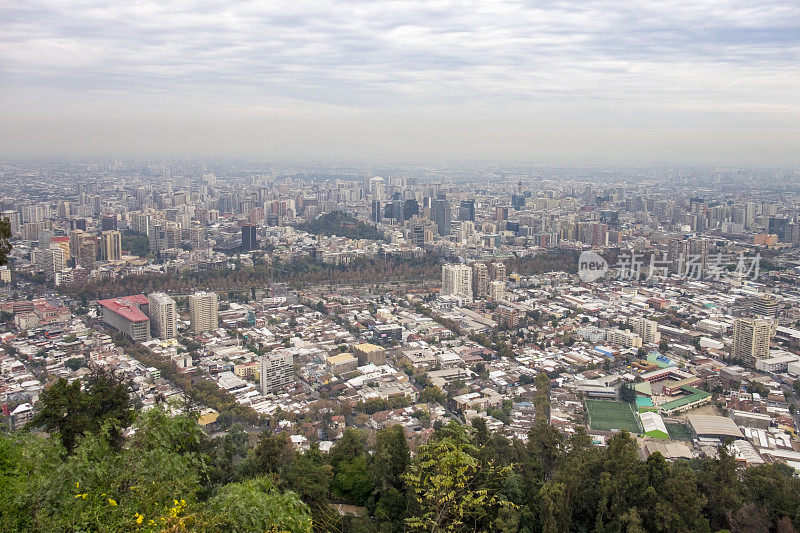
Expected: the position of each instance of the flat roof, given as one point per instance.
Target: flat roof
(127, 307)
(715, 425)
(368, 348)
(341, 358)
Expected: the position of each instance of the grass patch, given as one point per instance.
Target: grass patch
(609, 416)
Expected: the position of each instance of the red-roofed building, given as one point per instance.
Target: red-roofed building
(128, 314)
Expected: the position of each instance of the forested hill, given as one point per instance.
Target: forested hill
(168, 475)
(341, 224)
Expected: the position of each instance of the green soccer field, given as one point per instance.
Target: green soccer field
(607, 416)
(678, 431)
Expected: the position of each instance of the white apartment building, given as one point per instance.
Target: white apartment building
(277, 370)
(204, 311)
(163, 315)
(457, 280)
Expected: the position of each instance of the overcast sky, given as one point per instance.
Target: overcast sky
(548, 81)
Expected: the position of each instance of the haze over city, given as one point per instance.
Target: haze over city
(400, 266)
(667, 82)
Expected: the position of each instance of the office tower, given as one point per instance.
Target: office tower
(396, 209)
(110, 245)
(466, 211)
(646, 329)
(498, 271)
(751, 338)
(249, 241)
(204, 311)
(163, 315)
(750, 212)
(480, 280)
(440, 214)
(457, 280)
(277, 370)
(108, 222)
(410, 208)
(517, 201)
(500, 213)
(778, 226)
(377, 214)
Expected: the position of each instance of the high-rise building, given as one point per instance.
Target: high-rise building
(466, 211)
(277, 370)
(83, 248)
(51, 260)
(110, 245)
(480, 280)
(751, 338)
(204, 311)
(765, 305)
(498, 271)
(440, 214)
(377, 213)
(646, 329)
(249, 240)
(410, 208)
(108, 222)
(457, 280)
(163, 315)
(497, 290)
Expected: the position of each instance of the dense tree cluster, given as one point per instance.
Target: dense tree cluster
(243, 279)
(136, 243)
(554, 261)
(167, 474)
(341, 224)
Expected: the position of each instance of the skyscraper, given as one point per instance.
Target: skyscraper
(163, 315)
(751, 338)
(249, 240)
(110, 245)
(377, 213)
(440, 214)
(204, 311)
(466, 211)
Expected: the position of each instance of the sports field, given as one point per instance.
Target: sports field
(607, 416)
(678, 431)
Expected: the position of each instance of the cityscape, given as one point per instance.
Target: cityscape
(313, 305)
(400, 266)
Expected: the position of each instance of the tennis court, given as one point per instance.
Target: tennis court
(608, 416)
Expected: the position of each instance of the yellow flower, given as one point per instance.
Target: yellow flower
(77, 485)
(112, 502)
(84, 495)
(139, 518)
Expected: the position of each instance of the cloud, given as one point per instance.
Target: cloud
(562, 64)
